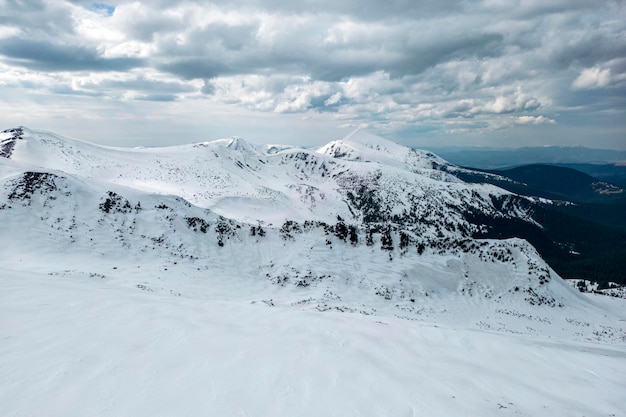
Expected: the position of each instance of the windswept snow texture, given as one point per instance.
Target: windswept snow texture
(75, 345)
(223, 278)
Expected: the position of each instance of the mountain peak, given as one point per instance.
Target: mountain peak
(370, 140)
(364, 145)
(234, 143)
(240, 144)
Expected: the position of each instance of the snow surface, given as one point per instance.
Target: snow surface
(74, 345)
(586, 286)
(226, 174)
(160, 282)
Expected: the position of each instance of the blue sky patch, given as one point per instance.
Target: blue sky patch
(102, 8)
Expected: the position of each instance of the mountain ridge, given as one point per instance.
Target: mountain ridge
(325, 233)
(228, 170)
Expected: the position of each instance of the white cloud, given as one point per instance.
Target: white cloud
(534, 120)
(608, 74)
(593, 78)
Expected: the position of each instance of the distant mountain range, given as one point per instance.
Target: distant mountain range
(550, 181)
(496, 158)
(603, 164)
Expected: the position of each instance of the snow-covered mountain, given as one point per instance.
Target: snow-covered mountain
(360, 178)
(360, 218)
(361, 225)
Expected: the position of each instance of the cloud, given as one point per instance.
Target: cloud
(593, 78)
(534, 120)
(430, 68)
(609, 74)
(138, 21)
(514, 102)
(155, 97)
(208, 88)
(194, 68)
(136, 83)
(37, 18)
(48, 56)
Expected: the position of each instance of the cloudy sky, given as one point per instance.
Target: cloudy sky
(491, 72)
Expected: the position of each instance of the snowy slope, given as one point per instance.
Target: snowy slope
(235, 179)
(379, 238)
(242, 260)
(363, 146)
(78, 346)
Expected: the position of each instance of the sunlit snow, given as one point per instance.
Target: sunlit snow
(164, 282)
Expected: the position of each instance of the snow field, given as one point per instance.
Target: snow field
(75, 347)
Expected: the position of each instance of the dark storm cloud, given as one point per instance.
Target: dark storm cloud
(47, 56)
